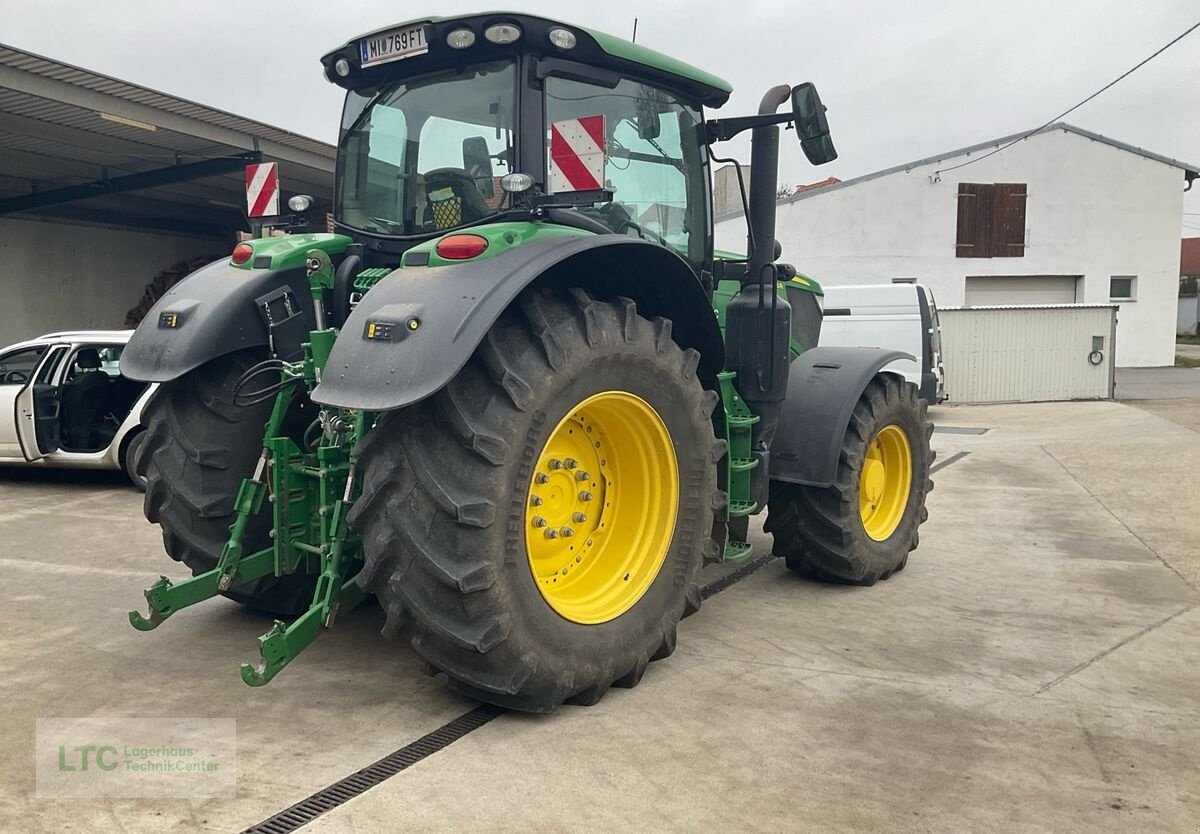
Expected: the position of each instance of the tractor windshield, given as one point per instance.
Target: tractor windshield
(416, 155)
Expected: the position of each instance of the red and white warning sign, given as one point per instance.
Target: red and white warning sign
(262, 190)
(577, 154)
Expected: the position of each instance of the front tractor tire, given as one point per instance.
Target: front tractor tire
(861, 528)
(197, 448)
(539, 524)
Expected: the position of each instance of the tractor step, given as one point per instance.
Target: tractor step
(742, 464)
(737, 508)
(736, 552)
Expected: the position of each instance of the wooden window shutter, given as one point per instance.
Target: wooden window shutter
(1008, 228)
(975, 212)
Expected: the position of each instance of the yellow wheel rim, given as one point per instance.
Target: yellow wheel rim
(885, 482)
(601, 509)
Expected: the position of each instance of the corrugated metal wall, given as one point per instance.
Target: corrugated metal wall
(1028, 354)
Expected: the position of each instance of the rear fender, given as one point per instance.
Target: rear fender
(415, 329)
(824, 384)
(208, 314)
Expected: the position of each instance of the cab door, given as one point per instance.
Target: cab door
(37, 407)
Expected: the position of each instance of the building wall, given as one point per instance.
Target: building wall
(1092, 210)
(727, 197)
(56, 276)
(1189, 315)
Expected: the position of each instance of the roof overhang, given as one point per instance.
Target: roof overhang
(83, 147)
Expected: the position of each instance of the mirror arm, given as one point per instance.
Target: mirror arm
(722, 130)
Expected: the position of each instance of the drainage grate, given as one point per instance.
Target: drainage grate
(715, 587)
(326, 799)
(954, 458)
(959, 430)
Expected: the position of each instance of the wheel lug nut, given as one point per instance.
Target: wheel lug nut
(552, 534)
(555, 463)
(535, 501)
(567, 532)
(585, 496)
(582, 476)
(571, 463)
(580, 518)
(542, 478)
(538, 521)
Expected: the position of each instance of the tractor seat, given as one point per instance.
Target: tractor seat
(454, 198)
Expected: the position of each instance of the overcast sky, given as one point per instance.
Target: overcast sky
(902, 80)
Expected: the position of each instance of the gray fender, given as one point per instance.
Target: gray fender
(215, 315)
(824, 383)
(453, 307)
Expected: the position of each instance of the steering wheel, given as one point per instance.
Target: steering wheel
(15, 378)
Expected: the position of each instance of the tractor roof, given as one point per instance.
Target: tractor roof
(593, 48)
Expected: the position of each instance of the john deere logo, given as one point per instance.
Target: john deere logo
(169, 320)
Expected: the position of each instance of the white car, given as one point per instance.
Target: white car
(64, 403)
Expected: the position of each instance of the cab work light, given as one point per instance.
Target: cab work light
(502, 33)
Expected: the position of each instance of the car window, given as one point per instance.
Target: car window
(16, 367)
(53, 361)
(110, 358)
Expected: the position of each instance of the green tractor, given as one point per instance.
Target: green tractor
(517, 397)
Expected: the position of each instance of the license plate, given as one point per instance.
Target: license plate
(393, 45)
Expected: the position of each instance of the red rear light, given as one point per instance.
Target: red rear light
(241, 253)
(461, 247)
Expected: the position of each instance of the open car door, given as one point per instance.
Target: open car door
(37, 407)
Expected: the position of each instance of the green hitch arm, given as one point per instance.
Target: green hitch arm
(165, 597)
(334, 592)
(279, 646)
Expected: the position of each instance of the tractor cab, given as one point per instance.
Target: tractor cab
(451, 124)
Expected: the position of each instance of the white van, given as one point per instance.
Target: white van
(896, 316)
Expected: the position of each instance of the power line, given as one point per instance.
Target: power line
(1069, 110)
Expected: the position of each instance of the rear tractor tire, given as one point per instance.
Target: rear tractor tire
(861, 528)
(197, 448)
(540, 522)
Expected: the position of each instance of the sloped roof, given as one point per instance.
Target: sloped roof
(61, 126)
(1190, 171)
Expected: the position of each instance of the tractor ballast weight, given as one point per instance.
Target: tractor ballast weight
(523, 418)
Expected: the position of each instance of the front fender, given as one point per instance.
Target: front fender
(429, 320)
(824, 384)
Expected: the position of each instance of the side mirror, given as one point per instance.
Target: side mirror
(808, 115)
(649, 123)
(477, 161)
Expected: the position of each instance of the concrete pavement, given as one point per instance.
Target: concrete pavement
(1158, 383)
(1036, 668)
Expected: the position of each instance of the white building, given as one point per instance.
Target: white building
(1064, 216)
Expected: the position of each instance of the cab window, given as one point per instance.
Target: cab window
(419, 156)
(653, 161)
(17, 367)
